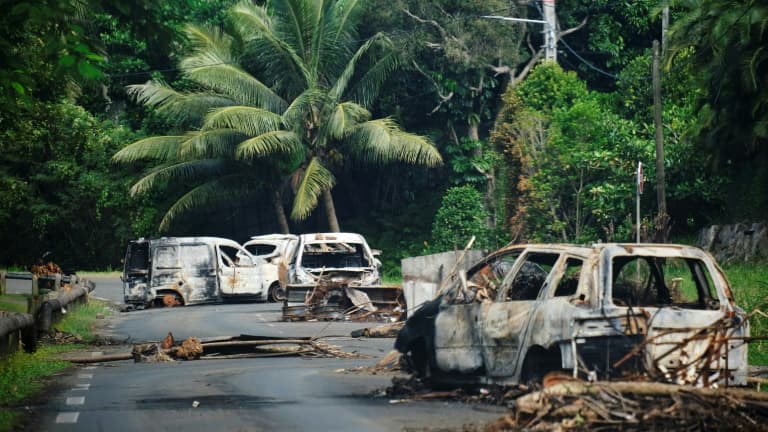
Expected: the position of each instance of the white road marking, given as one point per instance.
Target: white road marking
(89, 367)
(81, 387)
(67, 417)
(85, 376)
(270, 325)
(77, 400)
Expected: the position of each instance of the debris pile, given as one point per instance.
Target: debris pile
(566, 403)
(243, 346)
(336, 299)
(47, 269)
(410, 389)
(636, 406)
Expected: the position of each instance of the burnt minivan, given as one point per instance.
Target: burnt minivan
(606, 310)
(190, 270)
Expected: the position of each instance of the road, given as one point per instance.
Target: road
(289, 393)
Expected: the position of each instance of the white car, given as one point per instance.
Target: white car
(274, 252)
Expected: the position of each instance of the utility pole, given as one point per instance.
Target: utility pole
(662, 219)
(664, 27)
(550, 30)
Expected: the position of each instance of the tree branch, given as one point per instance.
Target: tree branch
(443, 97)
(433, 23)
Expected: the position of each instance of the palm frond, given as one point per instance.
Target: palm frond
(346, 12)
(296, 21)
(159, 148)
(195, 170)
(382, 141)
(211, 143)
(212, 72)
(315, 180)
(176, 105)
(210, 40)
(302, 106)
(247, 120)
(255, 25)
(344, 118)
(228, 189)
(275, 142)
(367, 87)
(343, 81)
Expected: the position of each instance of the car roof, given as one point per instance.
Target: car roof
(343, 237)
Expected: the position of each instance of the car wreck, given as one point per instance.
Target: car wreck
(275, 251)
(601, 311)
(336, 275)
(175, 271)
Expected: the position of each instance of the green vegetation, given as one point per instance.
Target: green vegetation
(13, 303)
(458, 219)
(287, 89)
(750, 288)
(273, 104)
(24, 375)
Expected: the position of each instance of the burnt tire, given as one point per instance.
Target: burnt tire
(276, 293)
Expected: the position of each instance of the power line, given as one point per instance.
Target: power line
(590, 65)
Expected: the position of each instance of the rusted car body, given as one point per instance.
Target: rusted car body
(665, 311)
(332, 273)
(190, 270)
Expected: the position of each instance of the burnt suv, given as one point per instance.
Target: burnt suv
(608, 309)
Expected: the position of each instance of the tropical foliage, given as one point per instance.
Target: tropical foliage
(256, 111)
(300, 108)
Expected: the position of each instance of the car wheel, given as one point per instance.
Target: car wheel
(276, 293)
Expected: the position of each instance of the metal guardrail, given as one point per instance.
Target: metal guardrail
(44, 310)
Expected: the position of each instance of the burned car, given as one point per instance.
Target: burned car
(331, 273)
(608, 310)
(173, 271)
(275, 250)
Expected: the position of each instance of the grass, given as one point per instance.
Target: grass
(13, 303)
(24, 376)
(750, 288)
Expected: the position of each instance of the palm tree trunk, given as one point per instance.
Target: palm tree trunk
(330, 210)
(282, 220)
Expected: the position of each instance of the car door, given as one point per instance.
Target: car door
(503, 324)
(457, 337)
(198, 272)
(268, 254)
(240, 273)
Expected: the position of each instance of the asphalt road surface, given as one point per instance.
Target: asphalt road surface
(264, 394)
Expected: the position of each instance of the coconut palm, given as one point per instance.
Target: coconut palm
(289, 87)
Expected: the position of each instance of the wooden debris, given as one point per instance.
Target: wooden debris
(190, 349)
(168, 341)
(382, 331)
(231, 347)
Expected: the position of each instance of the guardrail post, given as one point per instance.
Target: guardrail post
(34, 300)
(3, 288)
(57, 282)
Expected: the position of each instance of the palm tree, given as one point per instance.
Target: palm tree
(288, 86)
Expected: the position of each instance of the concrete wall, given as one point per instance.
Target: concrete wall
(423, 275)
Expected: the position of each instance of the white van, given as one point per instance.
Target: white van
(191, 270)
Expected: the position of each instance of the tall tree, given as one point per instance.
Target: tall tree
(288, 87)
(726, 40)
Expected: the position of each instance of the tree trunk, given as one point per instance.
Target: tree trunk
(330, 211)
(473, 133)
(282, 220)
